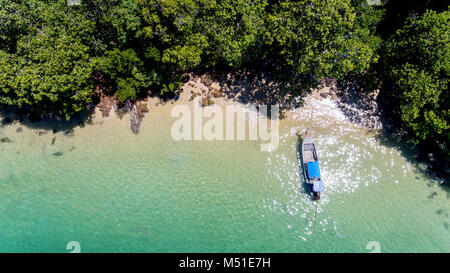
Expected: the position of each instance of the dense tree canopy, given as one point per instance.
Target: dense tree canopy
(49, 66)
(50, 50)
(417, 64)
(314, 39)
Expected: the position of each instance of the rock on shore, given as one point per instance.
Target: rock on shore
(137, 113)
(106, 105)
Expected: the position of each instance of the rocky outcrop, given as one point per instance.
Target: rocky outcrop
(206, 87)
(359, 107)
(141, 108)
(206, 80)
(104, 92)
(194, 95)
(207, 101)
(106, 104)
(216, 92)
(135, 120)
(137, 113)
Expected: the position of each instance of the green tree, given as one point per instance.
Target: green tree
(417, 68)
(50, 67)
(13, 23)
(127, 70)
(50, 74)
(172, 28)
(313, 39)
(234, 30)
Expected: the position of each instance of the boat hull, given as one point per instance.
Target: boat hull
(310, 166)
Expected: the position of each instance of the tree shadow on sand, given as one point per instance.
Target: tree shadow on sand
(362, 105)
(253, 87)
(46, 123)
(358, 103)
(425, 163)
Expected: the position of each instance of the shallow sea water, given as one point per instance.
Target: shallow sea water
(113, 191)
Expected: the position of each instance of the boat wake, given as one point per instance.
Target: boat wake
(346, 154)
(337, 233)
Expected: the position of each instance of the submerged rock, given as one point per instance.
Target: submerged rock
(41, 133)
(58, 154)
(19, 130)
(5, 140)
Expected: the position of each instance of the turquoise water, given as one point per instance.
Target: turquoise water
(113, 191)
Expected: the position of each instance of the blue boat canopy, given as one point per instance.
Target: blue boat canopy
(313, 170)
(318, 186)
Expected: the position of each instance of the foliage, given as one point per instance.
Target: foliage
(417, 66)
(50, 70)
(13, 22)
(315, 39)
(127, 69)
(234, 29)
(49, 50)
(144, 44)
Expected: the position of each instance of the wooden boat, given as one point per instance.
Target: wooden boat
(310, 164)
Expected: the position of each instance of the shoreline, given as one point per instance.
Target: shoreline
(333, 103)
(104, 171)
(241, 88)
